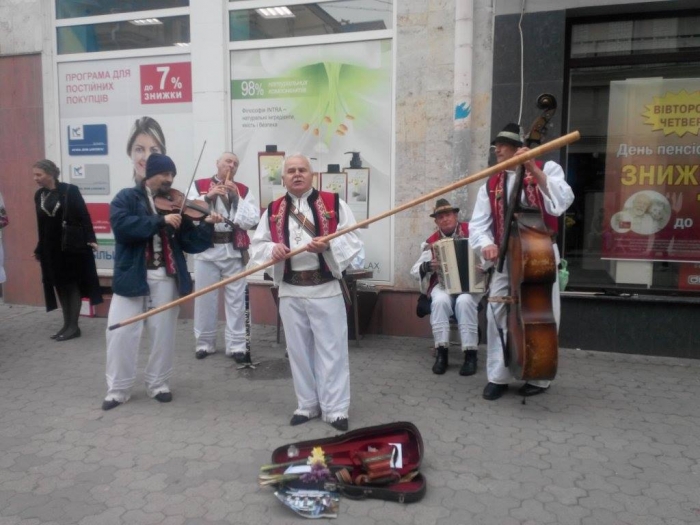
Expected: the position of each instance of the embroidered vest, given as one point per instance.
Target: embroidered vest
(462, 232)
(168, 256)
(325, 207)
(241, 241)
(533, 197)
(167, 248)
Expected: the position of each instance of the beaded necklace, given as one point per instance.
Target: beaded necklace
(52, 213)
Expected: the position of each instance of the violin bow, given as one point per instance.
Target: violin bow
(194, 174)
(514, 161)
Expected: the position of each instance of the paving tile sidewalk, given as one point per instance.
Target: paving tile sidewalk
(616, 440)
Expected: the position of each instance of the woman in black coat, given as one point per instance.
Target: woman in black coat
(72, 275)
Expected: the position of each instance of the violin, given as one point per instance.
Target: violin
(175, 202)
(532, 346)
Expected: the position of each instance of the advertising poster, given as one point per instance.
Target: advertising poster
(652, 196)
(324, 101)
(110, 106)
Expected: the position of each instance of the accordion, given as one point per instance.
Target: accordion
(457, 271)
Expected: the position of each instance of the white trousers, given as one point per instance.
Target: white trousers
(465, 309)
(316, 331)
(206, 307)
(496, 371)
(123, 343)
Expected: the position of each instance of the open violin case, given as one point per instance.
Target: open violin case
(380, 462)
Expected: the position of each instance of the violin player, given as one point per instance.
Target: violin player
(149, 270)
(464, 306)
(544, 187)
(228, 256)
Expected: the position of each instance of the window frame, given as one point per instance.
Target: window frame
(358, 36)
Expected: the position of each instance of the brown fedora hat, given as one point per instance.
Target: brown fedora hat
(442, 206)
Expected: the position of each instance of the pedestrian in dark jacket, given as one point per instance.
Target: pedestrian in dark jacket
(72, 274)
(150, 270)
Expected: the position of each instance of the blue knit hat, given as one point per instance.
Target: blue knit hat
(158, 163)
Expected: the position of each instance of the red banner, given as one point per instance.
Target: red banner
(99, 214)
(652, 195)
(166, 83)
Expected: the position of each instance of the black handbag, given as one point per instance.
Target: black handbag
(423, 306)
(72, 235)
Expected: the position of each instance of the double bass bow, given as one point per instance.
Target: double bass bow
(531, 347)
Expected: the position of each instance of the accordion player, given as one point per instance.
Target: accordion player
(457, 267)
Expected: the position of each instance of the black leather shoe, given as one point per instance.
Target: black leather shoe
(340, 424)
(68, 335)
(493, 391)
(469, 366)
(440, 366)
(239, 357)
(60, 332)
(298, 419)
(528, 390)
(201, 354)
(164, 397)
(109, 404)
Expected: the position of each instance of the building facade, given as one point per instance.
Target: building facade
(417, 89)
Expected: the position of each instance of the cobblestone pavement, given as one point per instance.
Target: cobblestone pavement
(616, 440)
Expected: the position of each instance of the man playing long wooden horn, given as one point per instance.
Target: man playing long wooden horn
(311, 301)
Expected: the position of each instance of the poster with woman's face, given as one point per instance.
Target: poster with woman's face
(115, 113)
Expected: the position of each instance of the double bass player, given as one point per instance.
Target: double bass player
(545, 188)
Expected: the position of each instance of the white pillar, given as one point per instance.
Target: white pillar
(462, 96)
(210, 103)
(464, 50)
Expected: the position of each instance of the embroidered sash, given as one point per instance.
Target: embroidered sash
(533, 197)
(241, 240)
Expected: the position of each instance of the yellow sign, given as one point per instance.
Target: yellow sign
(677, 113)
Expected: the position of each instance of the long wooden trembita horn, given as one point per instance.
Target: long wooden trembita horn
(510, 163)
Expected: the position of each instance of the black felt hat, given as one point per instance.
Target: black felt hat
(510, 135)
(442, 206)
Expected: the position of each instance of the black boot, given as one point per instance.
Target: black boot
(440, 366)
(63, 301)
(469, 366)
(71, 310)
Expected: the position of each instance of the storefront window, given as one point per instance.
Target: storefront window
(628, 37)
(344, 16)
(127, 34)
(635, 222)
(82, 8)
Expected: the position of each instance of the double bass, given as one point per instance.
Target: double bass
(532, 345)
